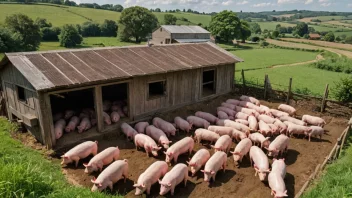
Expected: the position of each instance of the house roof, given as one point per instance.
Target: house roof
(185, 29)
(192, 40)
(67, 68)
(314, 35)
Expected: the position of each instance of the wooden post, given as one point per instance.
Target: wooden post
(98, 103)
(324, 98)
(265, 86)
(289, 92)
(243, 80)
(45, 120)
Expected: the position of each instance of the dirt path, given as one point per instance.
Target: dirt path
(318, 58)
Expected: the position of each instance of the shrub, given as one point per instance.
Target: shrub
(263, 43)
(348, 40)
(255, 38)
(90, 29)
(329, 37)
(69, 36)
(336, 64)
(306, 36)
(343, 89)
(50, 34)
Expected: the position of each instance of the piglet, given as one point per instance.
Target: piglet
(236, 125)
(141, 126)
(59, 128)
(255, 107)
(279, 167)
(84, 125)
(267, 119)
(233, 101)
(141, 140)
(293, 120)
(183, 124)
(246, 110)
(245, 122)
(250, 99)
(279, 145)
(80, 151)
(221, 130)
(102, 159)
(297, 129)
(275, 129)
(198, 122)
(68, 114)
(71, 126)
(252, 123)
(150, 176)
(238, 135)
(264, 128)
(182, 146)
(240, 115)
(115, 117)
(128, 131)
(171, 179)
(313, 120)
(111, 175)
(315, 131)
(241, 149)
(166, 127)
(207, 116)
(277, 185)
(287, 108)
(215, 163)
(222, 115)
(223, 144)
(198, 160)
(243, 103)
(259, 139)
(282, 127)
(265, 110)
(158, 135)
(204, 134)
(228, 111)
(106, 118)
(261, 162)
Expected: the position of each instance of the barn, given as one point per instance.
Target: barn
(36, 85)
(168, 34)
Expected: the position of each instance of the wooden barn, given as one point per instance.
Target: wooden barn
(36, 85)
(168, 34)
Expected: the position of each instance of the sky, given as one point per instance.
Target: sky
(235, 5)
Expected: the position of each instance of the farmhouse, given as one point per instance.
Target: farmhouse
(149, 80)
(314, 36)
(168, 34)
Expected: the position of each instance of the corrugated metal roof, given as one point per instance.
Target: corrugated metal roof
(184, 29)
(192, 40)
(65, 68)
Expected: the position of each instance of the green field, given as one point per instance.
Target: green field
(272, 25)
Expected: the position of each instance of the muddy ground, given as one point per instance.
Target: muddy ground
(301, 160)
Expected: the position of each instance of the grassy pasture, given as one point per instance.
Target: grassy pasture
(272, 25)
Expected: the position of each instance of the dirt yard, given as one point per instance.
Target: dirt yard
(302, 158)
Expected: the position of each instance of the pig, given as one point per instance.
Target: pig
(183, 124)
(315, 131)
(264, 128)
(282, 127)
(120, 112)
(115, 117)
(204, 134)
(80, 151)
(141, 126)
(252, 123)
(222, 115)
(141, 140)
(238, 135)
(278, 113)
(106, 118)
(93, 121)
(279, 145)
(279, 167)
(68, 114)
(255, 107)
(180, 147)
(198, 160)
(150, 176)
(221, 130)
(223, 144)
(128, 131)
(297, 129)
(240, 115)
(228, 111)
(59, 128)
(250, 99)
(265, 110)
(259, 139)
(215, 163)
(287, 108)
(233, 101)
(293, 120)
(158, 135)
(115, 108)
(111, 175)
(275, 130)
(267, 119)
(236, 125)
(58, 116)
(102, 159)
(245, 110)
(241, 149)
(244, 103)
(277, 185)
(313, 120)
(245, 122)
(207, 116)
(228, 105)
(171, 179)
(166, 127)
(198, 122)
(221, 122)
(83, 115)
(106, 105)
(89, 111)
(261, 162)
(71, 126)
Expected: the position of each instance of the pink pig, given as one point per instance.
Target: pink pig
(241, 115)
(158, 135)
(59, 128)
(80, 151)
(223, 144)
(71, 126)
(107, 119)
(115, 117)
(128, 131)
(228, 105)
(278, 113)
(315, 131)
(166, 127)
(215, 163)
(245, 122)
(261, 162)
(102, 159)
(245, 110)
(282, 127)
(293, 120)
(275, 130)
(241, 149)
(182, 146)
(279, 167)
(183, 124)
(198, 122)
(250, 99)
(150, 176)
(204, 134)
(207, 116)
(233, 101)
(313, 120)
(297, 129)
(267, 119)
(141, 140)
(228, 111)
(287, 108)
(111, 175)
(222, 115)
(277, 185)
(255, 107)
(279, 145)
(141, 126)
(259, 139)
(264, 128)
(244, 103)
(198, 160)
(265, 110)
(252, 123)
(238, 135)
(221, 130)
(238, 126)
(171, 179)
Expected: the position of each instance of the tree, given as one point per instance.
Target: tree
(69, 36)
(184, 10)
(275, 34)
(50, 34)
(157, 10)
(301, 29)
(109, 28)
(170, 19)
(337, 39)
(42, 23)
(343, 89)
(118, 8)
(90, 29)
(225, 25)
(178, 10)
(244, 31)
(30, 32)
(311, 30)
(255, 28)
(348, 40)
(137, 22)
(9, 41)
(329, 37)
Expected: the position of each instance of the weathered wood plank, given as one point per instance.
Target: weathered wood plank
(98, 103)
(45, 120)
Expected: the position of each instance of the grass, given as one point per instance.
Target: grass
(336, 180)
(25, 172)
(272, 25)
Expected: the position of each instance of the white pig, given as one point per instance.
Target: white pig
(106, 118)
(80, 151)
(264, 128)
(115, 117)
(255, 107)
(275, 129)
(239, 135)
(221, 130)
(204, 134)
(141, 126)
(166, 127)
(84, 125)
(293, 120)
(240, 115)
(278, 113)
(245, 122)
(198, 122)
(183, 124)
(171, 179)
(277, 185)
(141, 140)
(128, 131)
(59, 128)
(287, 108)
(261, 162)
(223, 144)
(265, 110)
(102, 159)
(313, 120)
(279, 145)
(228, 105)
(207, 116)
(215, 163)
(158, 135)
(236, 125)
(297, 129)
(315, 131)
(250, 99)
(252, 123)
(71, 126)
(279, 167)
(282, 127)
(267, 119)
(198, 160)
(259, 139)
(241, 149)
(228, 111)
(246, 110)
(233, 101)
(182, 146)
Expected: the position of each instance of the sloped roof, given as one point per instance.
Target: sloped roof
(185, 29)
(314, 35)
(65, 68)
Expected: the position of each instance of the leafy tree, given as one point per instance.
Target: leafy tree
(255, 28)
(311, 30)
(225, 25)
(275, 34)
(289, 30)
(337, 39)
(25, 27)
(70, 3)
(9, 41)
(109, 28)
(118, 8)
(42, 23)
(79, 28)
(329, 37)
(90, 29)
(69, 36)
(348, 40)
(137, 22)
(184, 10)
(244, 31)
(343, 89)
(50, 34)
(170, 19)
(157, 10)
(306, 36)
(178, 10)
(301, 29)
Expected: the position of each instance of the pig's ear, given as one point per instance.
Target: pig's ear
(169, 184)
(256, 167)
(85, 164)
(283, 159)
(285, 193)
(203, 171)
(212, 172)
(165, 153)
(93, 180)
(159, 181)
(100, 185)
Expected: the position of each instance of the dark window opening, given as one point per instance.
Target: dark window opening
(20, 94)
(157, 89)
(208, 83)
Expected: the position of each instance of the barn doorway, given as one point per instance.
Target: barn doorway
(208, 83)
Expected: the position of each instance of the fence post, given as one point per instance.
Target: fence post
(243, 81)
(289, 92)
(323, 104)
(265, 85)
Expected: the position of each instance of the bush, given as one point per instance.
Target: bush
(343, 90)
(275, 34)
(255, 39)
(50, 34)
(348, 40)
(69, 36)
(90, 29)
(263, 43)
(109, 28)
(329, 37)
(306, 36)
(336, 64)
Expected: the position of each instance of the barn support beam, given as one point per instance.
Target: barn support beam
(46, 120)
(98, 103)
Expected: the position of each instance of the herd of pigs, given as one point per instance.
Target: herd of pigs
(70, 120)
(245, 121)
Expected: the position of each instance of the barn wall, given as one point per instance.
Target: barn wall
(190, 36)
(159, 37)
